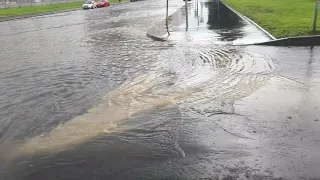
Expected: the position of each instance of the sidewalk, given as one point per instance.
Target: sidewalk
(210, 19)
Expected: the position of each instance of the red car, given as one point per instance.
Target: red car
(103, 3)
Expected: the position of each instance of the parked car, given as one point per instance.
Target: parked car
(103, 3)
(89, 4)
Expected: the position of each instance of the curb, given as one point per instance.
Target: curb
(293, 41)
(252, 22)
(164, 36)
(157, 38)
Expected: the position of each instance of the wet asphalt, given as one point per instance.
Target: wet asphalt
(87, 95)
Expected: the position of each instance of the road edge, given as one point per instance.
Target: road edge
(293, 41)
(164, 36)
(37, 14)
(11, 18)
(153, 35)
(156, 38)
(251, 21)
(161, 38)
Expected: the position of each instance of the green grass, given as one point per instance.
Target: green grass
(282, 18)
(18, 11)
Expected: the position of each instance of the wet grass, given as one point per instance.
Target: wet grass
(30, 10)
(282, 18)
(16, 11)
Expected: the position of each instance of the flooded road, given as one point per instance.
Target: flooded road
(209, 22)
(86, 95)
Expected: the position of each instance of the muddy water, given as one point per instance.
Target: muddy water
(86, 95)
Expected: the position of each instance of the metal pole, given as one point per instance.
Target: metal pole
(218, 9)
(5, 4)
(167, 16)
(167, 13)
(201, 13)
(315, 17)
(198, 13)
(186, 5)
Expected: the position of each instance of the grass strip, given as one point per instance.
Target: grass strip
(282, 18)
(34, 10)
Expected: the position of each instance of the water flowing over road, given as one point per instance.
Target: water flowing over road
(87, 95)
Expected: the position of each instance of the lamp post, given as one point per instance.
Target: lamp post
(167, 16)
(186, 6)
(315, 17)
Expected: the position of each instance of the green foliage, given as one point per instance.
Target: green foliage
(282, 18)
(18, 11)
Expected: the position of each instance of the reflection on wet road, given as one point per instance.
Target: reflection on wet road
(211, 22)
(86, 95)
